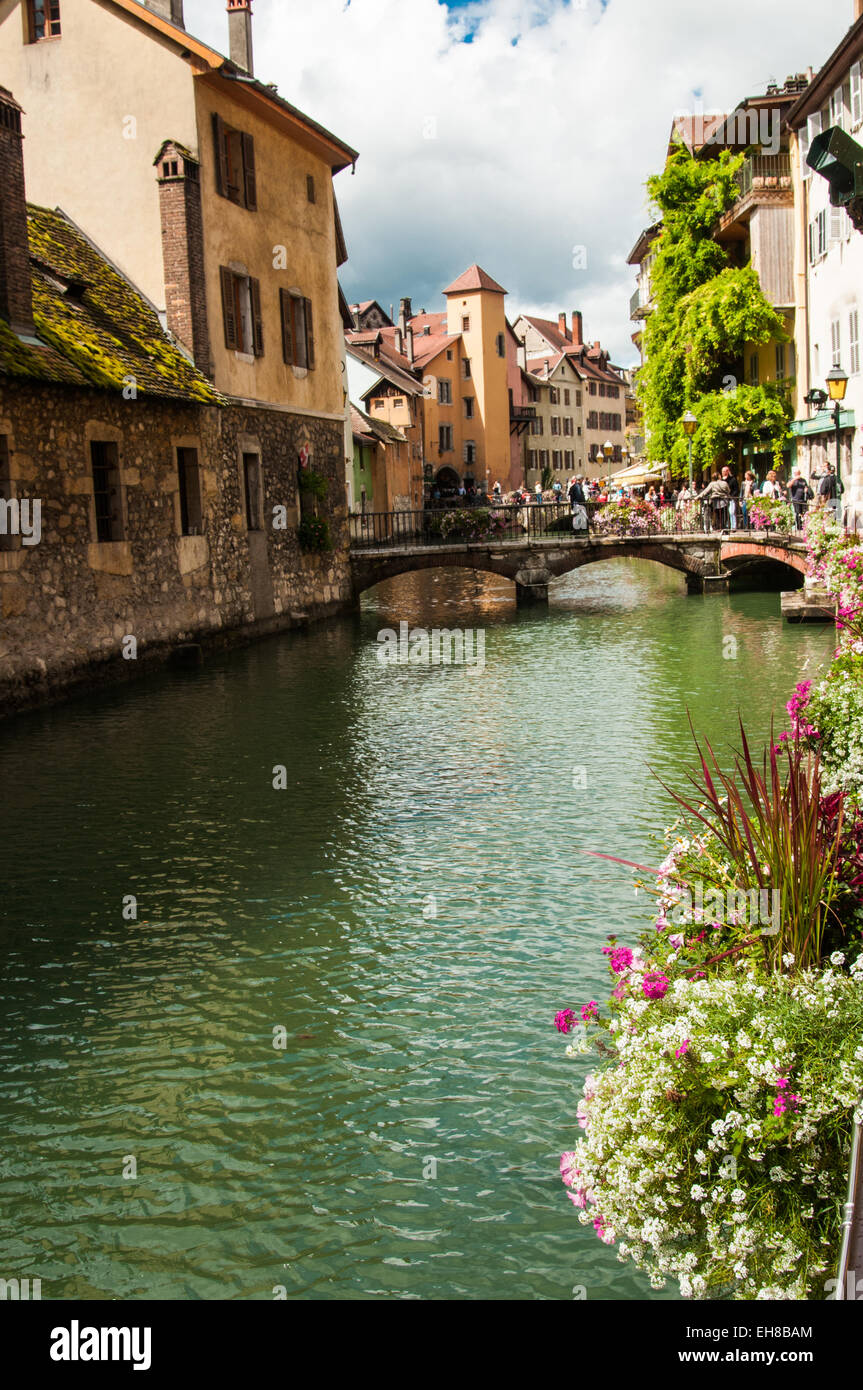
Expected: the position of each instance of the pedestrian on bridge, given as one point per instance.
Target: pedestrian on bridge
(800, 495)
(714, 501)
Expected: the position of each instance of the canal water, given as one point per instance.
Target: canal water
(411, 910)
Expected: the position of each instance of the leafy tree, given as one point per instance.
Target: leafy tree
(705, 312)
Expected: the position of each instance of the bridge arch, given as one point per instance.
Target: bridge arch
(537, 565)
(740, 557)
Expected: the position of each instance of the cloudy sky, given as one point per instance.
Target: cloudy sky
(515, 133)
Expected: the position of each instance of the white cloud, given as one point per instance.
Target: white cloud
(545, 127)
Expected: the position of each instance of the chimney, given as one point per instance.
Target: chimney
(16, 291)
(399, 335)
(168, 9)
(409, 342)
(577, 330)
(521, 356)
(240, 34)
(182, 220)
(561, 326)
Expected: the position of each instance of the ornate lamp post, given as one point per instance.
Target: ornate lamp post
(690, 425)
(608, 451)
(837, 381)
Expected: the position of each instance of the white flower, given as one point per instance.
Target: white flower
(837, 958)
(778, 1174)
(738, 1196)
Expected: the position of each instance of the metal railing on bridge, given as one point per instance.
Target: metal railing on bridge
(532, 522)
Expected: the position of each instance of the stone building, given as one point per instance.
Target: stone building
(140, 507)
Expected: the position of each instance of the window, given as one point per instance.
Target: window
(837, 108)
(602, 388)
(531, 458)
(567, 424)
(7, 540)
(189, 474)
(592, 420)
(469, 451)
(536, 426)
(592, 387)
(43, 18)
(235, 164)
(837, 224)
(107, 493)
(445, 438)
(813, 128)
(613, 391)
(753, 369)
(465, 367)
(298, 334)
(468, 407)
(556, 460)
(835, 339)
(501, 345)
(444, 391)
(554, 396)
(241, 312)
(380, 405)
(856, 96)
(465, 323)
(568, 458)
(543, 458)
(853, 342)
(555, 424)
(449, 354)
(310, 188)
(578, 398)
(566, 396)
(579, 430)
(780, 361)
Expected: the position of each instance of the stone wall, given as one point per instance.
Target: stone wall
(69, 604)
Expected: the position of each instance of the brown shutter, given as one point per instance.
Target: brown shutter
(310, 334)
(257, 321)
(287, 326)
(251, 187)
(229, 313)
(221, 155)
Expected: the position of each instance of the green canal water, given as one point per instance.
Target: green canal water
(412, 910)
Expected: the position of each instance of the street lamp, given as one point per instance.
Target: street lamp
(837, 382)
(690, 425)
(608, 451)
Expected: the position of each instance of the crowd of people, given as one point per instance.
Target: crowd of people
(724, 500)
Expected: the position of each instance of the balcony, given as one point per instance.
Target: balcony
(764, 171)
(761, 179)
(639, 304)
(520, 417)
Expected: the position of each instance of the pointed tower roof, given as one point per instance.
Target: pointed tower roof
(474, 278)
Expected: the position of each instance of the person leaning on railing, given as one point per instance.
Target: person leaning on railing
(714, 501)
(800, 495)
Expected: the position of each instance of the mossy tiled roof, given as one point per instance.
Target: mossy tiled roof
(94, 328)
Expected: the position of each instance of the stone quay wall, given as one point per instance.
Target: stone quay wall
(70, 603)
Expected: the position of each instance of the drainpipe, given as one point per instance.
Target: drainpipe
(850, 1215)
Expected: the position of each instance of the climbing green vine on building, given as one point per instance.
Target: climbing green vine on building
(706, 312)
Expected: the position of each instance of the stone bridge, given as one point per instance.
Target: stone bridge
(708, 560)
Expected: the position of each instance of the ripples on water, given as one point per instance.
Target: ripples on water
(414, 1041)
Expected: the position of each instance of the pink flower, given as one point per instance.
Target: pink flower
(589, 1011)
(621, 960)
(676, 941)
(654, 985)
(682, 1049)
(569, 1170)
(565, 1021)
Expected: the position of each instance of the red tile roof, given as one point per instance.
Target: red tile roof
(474, 278)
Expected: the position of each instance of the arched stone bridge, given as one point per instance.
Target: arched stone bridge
(708, 561)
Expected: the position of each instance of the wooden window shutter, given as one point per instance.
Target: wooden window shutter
(310, 335)
(287, 326)
(257, 321)
(229, 313)
(221, 155)
(251, 187)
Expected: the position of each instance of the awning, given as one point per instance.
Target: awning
(635, 475)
